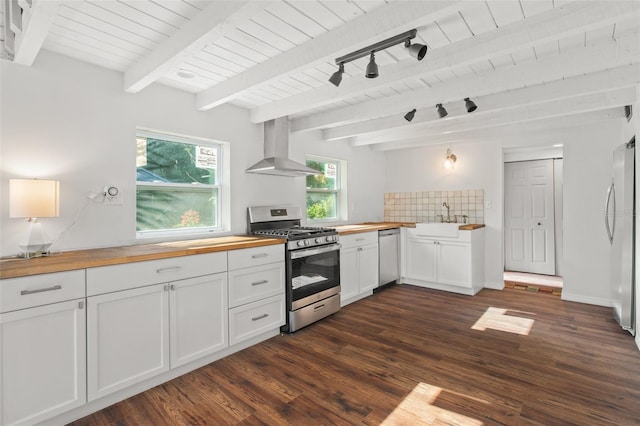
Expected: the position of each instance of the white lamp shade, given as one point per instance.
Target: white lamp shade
(33, 198)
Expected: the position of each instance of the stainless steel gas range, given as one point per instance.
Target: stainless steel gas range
(312, 263)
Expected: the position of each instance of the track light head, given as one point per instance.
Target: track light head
(372, 67)
(409, 116)
(416, 50)
(336, 77)
(441, 111)
(470, 105)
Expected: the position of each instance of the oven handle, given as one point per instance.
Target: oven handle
(313, 251)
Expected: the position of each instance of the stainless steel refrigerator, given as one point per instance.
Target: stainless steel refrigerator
(620, 227)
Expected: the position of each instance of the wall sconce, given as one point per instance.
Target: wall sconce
(449, 159)
(34, 198)
(416, 50)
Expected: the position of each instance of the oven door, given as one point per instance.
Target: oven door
(312, 271)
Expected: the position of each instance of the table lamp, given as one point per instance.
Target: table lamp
(34, 198)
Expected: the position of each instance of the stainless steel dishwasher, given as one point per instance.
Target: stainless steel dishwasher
(389, 256)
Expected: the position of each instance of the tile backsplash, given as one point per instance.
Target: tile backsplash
(427, 206)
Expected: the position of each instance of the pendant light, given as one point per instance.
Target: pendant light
(372, 68)
(470, 105)
(336, 77)
(409, 116)
(441, 111)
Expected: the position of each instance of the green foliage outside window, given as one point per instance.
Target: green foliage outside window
(322, 192)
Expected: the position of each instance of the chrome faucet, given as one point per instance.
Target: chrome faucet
(448, 216)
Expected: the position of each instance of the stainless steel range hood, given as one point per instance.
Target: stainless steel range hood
(276, 152)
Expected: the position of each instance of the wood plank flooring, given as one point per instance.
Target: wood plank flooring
(409, 355)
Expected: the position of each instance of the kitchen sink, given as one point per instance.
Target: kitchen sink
(438, 229)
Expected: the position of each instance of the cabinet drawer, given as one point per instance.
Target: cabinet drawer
(254, 318)
(255, 256)
(361, 239)
(36, 290)
(105, 279)
(251, 284)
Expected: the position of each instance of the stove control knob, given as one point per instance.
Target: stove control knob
(329, 239)
(318, 240)
(300, 243)
(307, 242)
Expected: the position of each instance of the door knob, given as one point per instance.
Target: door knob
(539, 224)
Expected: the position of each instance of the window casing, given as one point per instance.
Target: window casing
(180, 187)
(326, 193)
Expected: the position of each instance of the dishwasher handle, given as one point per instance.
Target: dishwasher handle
(385, 232)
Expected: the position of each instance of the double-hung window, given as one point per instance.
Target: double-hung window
(179, 187)
(325, 192)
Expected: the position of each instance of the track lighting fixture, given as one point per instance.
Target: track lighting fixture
(441, 111)
(336, 77)
(372, 68)
(449, 159)
(416, 50)
(470, 105)
(409, 116)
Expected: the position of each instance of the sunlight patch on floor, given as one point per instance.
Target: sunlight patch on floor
(495, 319)
(417, 409)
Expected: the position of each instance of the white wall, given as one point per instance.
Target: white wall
(587, 171)
(67, 120)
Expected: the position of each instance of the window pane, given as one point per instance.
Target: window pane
(322, 205)
(173, 208)
(175, 162)
(328, 178)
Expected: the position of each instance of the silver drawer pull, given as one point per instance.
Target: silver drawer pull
(256, 256)
(260, 317)
(360, 239)
(40, 290)
(165, 270)
(259, 282)
(317, 308)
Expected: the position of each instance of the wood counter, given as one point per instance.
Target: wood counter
(12, 267)
(380, 226)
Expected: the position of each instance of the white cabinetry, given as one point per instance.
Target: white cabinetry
(42, 346)
(358, 266)
(452, 263)
(164, 314)
(256, 291)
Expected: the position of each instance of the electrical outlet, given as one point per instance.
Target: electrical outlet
(112, 196)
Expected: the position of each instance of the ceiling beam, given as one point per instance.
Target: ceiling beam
(36, 19)
(533, 131)
(575, 62)
(516, 92)
(570, 19)
(502, 117)
(216, 20)
(378, 24)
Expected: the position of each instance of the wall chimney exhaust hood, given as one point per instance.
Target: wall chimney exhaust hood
(276, 152)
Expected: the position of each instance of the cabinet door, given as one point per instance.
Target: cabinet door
(421, 259)
(368, 267)
(349, 274)
(42, 362)
(198, 324)
(128, 338)
(454, 263)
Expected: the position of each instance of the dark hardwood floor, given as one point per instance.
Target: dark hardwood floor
(408, 355)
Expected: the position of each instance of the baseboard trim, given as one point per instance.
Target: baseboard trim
(573, 297)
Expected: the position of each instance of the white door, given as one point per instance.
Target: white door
(199, 313)
(529, 217)
(42, 362)
(127, 338)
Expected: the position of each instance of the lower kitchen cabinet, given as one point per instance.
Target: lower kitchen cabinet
(42, 362)
(139, 333)
(358, 266)
(453, 264)
(128, 338)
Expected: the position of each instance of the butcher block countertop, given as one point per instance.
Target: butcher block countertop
(380, 226)
(11, 267)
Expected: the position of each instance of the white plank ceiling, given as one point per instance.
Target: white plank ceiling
(536, 63)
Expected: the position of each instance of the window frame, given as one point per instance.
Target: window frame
(222, 213)
(340, 189)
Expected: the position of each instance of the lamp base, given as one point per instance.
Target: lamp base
(36, 242)
(33, 254)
